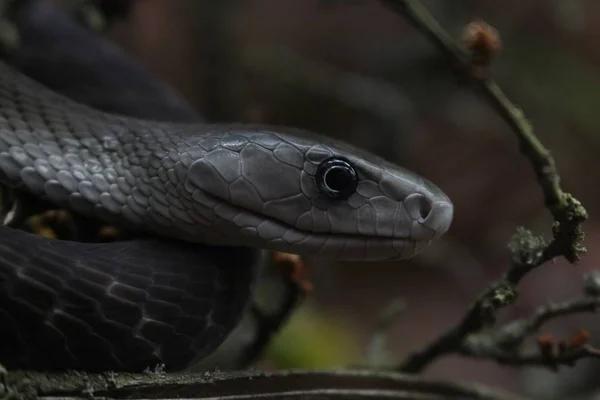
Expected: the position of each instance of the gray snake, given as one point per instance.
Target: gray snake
(196, 190)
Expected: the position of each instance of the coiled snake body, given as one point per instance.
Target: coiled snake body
(195, 188)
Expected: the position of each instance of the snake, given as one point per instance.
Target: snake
(208, 201)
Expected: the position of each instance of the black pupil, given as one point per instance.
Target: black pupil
(337, 178)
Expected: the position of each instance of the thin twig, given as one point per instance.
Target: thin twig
(503, 344)
(514, 333)
(529, 252)
(376, 346)
(536, 358)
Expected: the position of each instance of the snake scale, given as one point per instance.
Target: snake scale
(207, 198)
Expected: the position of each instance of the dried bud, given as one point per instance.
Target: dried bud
(298, 270)
(579, 339)
(546, 344)
(482, 41)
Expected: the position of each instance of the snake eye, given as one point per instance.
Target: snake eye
(336, 178)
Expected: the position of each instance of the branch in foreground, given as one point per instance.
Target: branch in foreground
(529, 252)
(237, 385)
(536, 358)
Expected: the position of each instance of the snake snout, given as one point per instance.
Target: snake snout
(432, 215)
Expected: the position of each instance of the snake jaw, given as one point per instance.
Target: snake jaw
(243, 227)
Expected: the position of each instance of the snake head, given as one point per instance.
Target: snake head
(310, 195)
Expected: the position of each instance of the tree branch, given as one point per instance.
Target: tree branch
(529, 252)
(237, 385)
(504, 344)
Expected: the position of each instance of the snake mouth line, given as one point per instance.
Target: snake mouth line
(287, 227)
(349, 247)
(344, 246)
(299, 241)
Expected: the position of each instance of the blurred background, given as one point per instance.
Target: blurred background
(356, 71)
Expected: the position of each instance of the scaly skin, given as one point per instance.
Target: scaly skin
(230, 184)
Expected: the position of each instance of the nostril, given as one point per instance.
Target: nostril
(424, 207)
(418, 206)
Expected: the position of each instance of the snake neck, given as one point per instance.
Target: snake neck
(122, 170)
